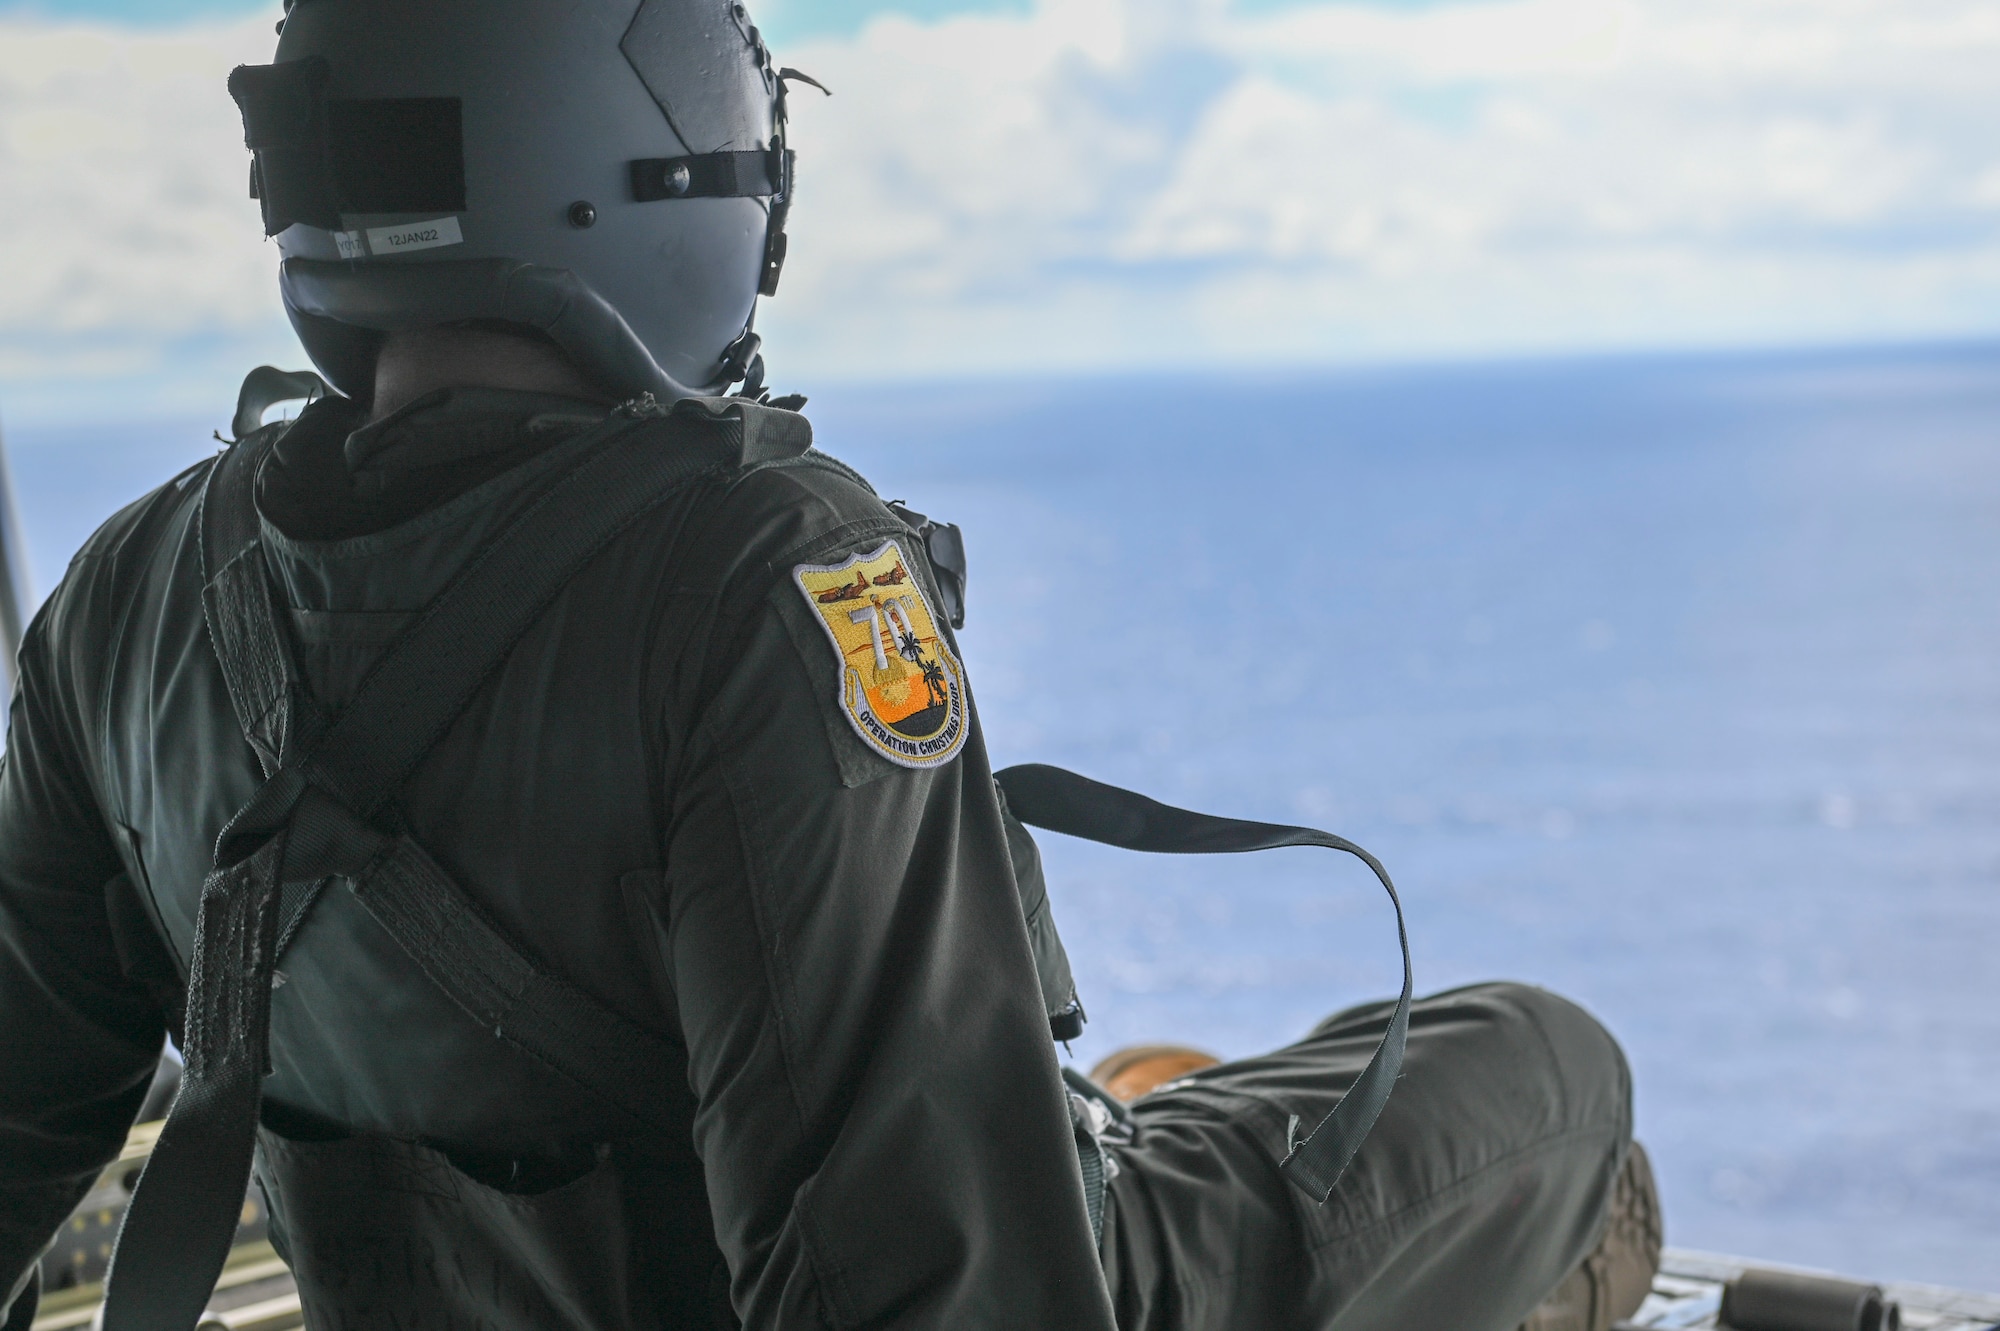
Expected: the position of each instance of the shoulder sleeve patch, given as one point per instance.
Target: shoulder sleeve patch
(900, 687)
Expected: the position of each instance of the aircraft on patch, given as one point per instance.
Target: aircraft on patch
(853, 591)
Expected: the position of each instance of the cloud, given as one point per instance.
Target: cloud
(1210, 189)
(1105, 183)
(126, 228)
(126, 181)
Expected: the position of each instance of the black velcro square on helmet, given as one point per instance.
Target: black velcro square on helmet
(398, 154)
(284, 127)
(318, 157)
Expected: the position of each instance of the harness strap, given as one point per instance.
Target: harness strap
(311, 820)
(1061, 801)
(236, 602)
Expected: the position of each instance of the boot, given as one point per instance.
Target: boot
(1609, 1285)
(1140, 1068)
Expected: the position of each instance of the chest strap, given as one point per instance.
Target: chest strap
(319, 815)
(1061, 801)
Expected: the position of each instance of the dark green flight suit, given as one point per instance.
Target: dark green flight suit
(659, 794)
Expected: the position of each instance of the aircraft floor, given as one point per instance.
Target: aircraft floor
(1688, 1293)
(256, 1294)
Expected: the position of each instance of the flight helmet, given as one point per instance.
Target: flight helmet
(611, 172)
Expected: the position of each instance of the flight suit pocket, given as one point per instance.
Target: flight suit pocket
(385, 1232)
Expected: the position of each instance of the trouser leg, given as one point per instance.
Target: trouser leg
(1485, 1181)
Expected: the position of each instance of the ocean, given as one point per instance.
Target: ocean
(1667, 683)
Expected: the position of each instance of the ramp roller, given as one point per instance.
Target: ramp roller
(1785, 1301)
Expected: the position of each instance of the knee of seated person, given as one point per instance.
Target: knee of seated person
(1586, 1057)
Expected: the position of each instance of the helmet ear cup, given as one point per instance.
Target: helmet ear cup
(497, 159)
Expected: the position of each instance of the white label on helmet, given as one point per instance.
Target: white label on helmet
(415, 236)
(350, 244)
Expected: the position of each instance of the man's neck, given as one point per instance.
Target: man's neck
(424, 360)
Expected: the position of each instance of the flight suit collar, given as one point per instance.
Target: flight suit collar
(459, 424)
(330, 477)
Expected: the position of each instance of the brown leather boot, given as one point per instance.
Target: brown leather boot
(1610, 1284)
(1140, 1068)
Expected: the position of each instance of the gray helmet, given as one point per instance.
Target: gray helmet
(612, 172)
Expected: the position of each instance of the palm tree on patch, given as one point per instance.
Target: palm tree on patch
(910, 648)
(934, 682)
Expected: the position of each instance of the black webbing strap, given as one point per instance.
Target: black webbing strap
(310, 821)
(263, 683)
(1061, 801)
(723, 175)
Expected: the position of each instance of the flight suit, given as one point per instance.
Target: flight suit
(669, 791)
(658, 791)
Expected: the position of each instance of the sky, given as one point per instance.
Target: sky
(1029, 187)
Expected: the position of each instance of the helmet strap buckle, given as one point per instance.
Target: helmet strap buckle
(741, 360)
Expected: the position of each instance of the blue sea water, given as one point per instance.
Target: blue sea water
(1667, 684)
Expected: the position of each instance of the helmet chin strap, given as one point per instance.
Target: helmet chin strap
(743, 359)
